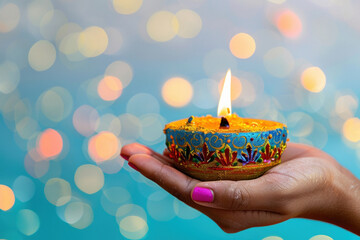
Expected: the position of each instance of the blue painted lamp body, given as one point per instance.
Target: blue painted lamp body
(245, 150)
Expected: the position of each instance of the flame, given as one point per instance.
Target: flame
(224, 107)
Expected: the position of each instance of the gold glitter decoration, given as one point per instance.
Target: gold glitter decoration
(209, 124)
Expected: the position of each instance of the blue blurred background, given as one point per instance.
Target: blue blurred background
(80, 79)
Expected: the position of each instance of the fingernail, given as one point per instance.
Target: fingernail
(201, 194)
(133, 166)
(126, 157)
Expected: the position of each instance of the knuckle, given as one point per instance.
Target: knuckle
(184, 196)
(159, 175)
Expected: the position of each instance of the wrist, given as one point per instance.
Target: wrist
(345, 211)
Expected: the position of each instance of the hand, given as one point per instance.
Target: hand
(307, 184)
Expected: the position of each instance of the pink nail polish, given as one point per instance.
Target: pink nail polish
(133, 166)
(126, 157)
(201, 194)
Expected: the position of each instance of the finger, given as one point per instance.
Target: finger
(135, 148)
(173, 181)
(167, 177)
(256, 194)
(180, 185)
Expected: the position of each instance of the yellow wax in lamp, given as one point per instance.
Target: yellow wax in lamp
(227, 146)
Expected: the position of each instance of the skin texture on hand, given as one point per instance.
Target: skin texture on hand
(307, 184)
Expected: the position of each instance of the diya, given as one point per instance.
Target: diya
(225, 147)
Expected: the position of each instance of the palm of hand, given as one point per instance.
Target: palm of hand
(300, 178)
(291, 189)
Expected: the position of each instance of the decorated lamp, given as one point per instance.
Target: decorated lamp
(227, 146)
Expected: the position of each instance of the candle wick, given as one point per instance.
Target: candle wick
(224, 123)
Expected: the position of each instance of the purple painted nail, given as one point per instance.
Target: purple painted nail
(201, 194)
(133, 166)
(126, 157)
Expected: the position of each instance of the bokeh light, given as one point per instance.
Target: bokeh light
(151, 130)
(57, 191)
(37, 9)
(24, 188)
(7, 198)
(73, 212)
(189, 23)
(42, 55)
(34, 165)
(89, 178)
(321, 237)
(133, 227)
(160, 206)
(319, 136)
(251, 86)
(242, 45)
(10, 77)
(21, 109)
(92, 41)
(64, 31)
(82, 220)
(27, 222)
(346, 106)
(67, 41)
(289, 24)
(276, 2)
(50, 143)
(351, 129)
(133, 127)
(177, 92)
(56, 103)
(141, 104)
(183, 211)
(110, 123)
(130, 210)
(127, 6)
(103, 146)
(120, 70)
(162, 26)
(279, 62)
(112, 166)
(301, 124)
(86, 120)
(27, 128)
(115, 41)
(51, 22)
(9, 17)
(72, 216)
(109, 88)
(313, 79)
(114, 197)
(273, 238)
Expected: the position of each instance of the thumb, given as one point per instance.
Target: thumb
(256, 194)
